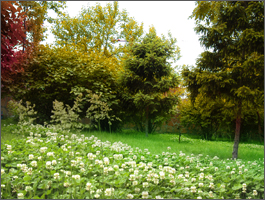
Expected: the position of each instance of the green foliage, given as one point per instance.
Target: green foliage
(147, 78)
(56, 71)
(99, 106)
(66, 117)
(232, 69)
(48, 166)
(96, 29)
(25, 114)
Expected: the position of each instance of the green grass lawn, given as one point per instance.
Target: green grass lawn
(158, 143)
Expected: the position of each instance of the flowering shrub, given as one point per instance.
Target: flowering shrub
(57, 165)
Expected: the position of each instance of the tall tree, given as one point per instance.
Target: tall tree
(233, 66)
(36, 13)
(148, 76)
(97, 29)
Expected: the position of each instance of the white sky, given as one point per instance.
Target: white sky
(164, 15)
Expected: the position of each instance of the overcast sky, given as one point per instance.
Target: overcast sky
(164, 15)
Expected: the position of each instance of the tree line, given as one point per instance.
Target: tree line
(135, 80)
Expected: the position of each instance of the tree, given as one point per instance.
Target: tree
(12, 35)
(21, 33)
(36, 13)
(58, 70)
(57, 73)
(96, 29)
(148, 76)
(233, 69)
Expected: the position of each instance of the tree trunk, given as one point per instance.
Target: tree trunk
(146, 121)
(237, 134)
(260, 132)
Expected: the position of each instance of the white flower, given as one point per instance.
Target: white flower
(193, 189)
(2, 171)
(129, 196)
(106, 161)
(3, 186)
(48, 164)
(97, 195)
(82, 164)
(199, 198)
(34, 163)
(137, 190)
(223, 186)
(77, 177)
(211, 194)
(193, 179)
(211, 185)
(216, 168)
(31, 156)
(8, 147)
(82, 170)
(91, 156)
(109, 191)
(50, 154)
(162, 175)
(20, 196)
(227, 167)
(88, 186)
(145, 184)
(28, 188)
(255, 193)
(132, 177)
(156, 181)
(232, 172)
(135, 182)
(145, 195)
(105, 170)
(56, 175)
(66, 184)
(73, 162)
(200, 184)
(54, 162)
(68, 173)
(245, 170)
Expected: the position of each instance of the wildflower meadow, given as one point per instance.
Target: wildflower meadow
(50, 164)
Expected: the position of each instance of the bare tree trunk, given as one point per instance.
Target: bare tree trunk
(237, 133)
(260, 132)
(146, 121)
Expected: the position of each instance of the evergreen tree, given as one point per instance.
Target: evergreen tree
(148, 77)
(232, 68)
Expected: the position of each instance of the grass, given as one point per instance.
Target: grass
(48, 163)
(158, 143)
